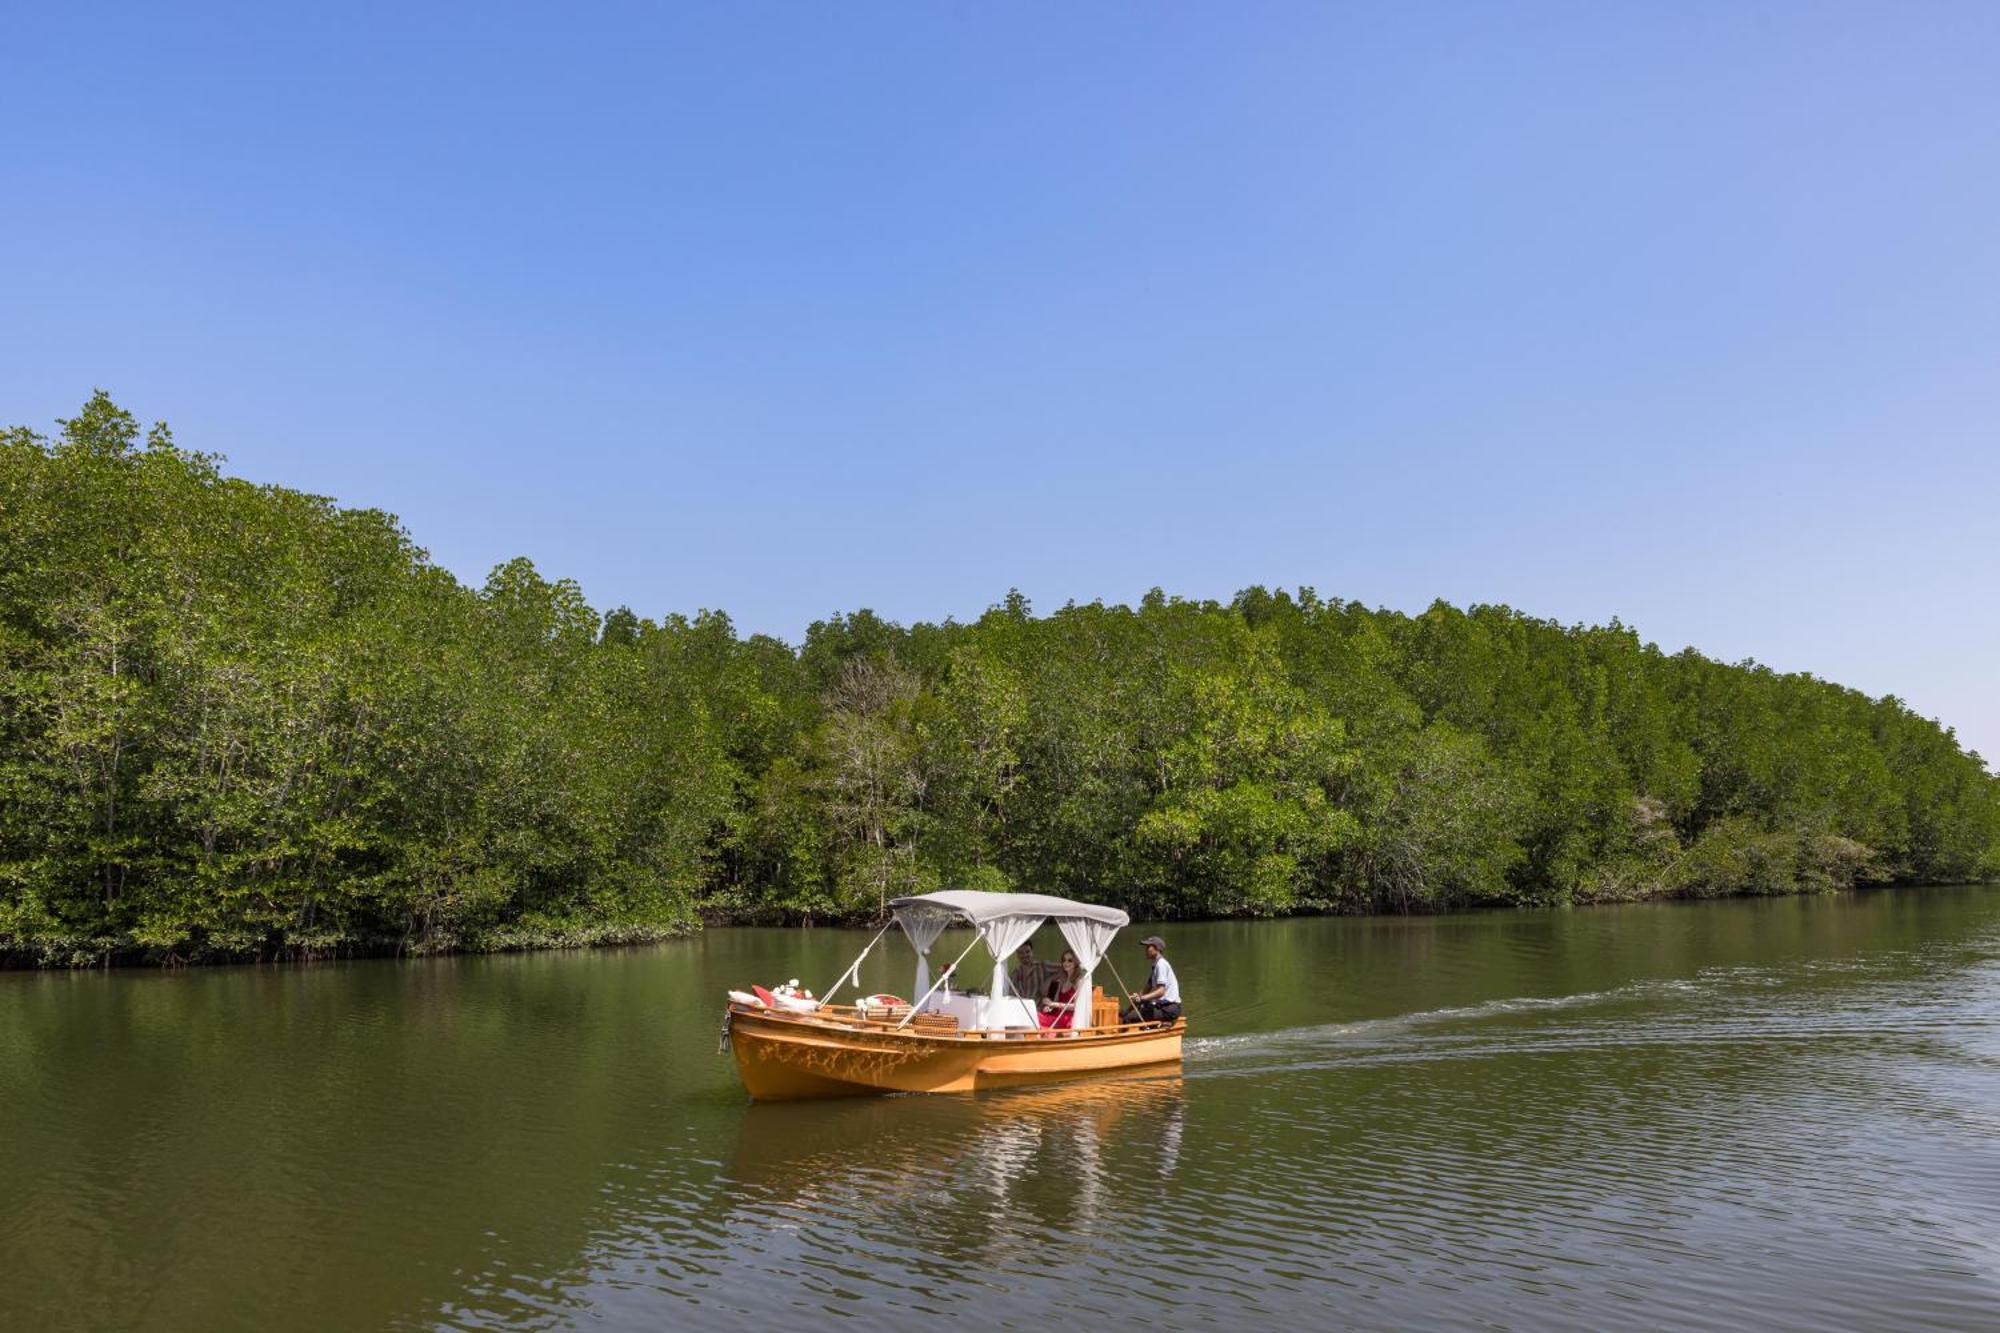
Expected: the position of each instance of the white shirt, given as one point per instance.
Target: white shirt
(1163, 975)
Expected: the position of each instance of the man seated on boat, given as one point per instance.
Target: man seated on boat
(1160, 1002)
(1029, 978)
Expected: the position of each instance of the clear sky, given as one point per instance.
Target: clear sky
(1683, 313)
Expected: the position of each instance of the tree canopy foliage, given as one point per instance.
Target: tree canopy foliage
(238, 721)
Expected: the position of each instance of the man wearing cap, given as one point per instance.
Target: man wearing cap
(1160, 1002)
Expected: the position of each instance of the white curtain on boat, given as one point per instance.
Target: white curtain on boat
(923, 924)
(1003, 935)
(1088, 940)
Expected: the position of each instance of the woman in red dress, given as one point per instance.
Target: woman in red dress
(1059, 1001)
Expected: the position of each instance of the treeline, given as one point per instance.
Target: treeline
(239, 721)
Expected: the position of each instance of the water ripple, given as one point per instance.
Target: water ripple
(1782, 1114)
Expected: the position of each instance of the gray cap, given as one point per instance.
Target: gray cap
(1156, 942)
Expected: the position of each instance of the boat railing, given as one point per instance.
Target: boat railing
(890, 1019)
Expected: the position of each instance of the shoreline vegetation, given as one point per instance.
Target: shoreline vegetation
(240, 722)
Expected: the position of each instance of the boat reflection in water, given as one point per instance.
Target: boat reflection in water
(1048, 1153)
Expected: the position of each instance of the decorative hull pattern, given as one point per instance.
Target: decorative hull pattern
(789, 1057)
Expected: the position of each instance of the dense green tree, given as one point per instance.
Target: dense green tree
(240, 721)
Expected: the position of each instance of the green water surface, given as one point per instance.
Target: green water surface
(1773, 1113)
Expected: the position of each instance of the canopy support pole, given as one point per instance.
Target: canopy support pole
(853, 972)
(1122, 986)
(939, 982)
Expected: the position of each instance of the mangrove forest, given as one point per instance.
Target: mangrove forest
(240, 721)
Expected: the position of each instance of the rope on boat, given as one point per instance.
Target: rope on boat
(728, 1017)
(942, 978)
(853, 973)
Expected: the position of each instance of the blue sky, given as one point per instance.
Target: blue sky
(1687, 314)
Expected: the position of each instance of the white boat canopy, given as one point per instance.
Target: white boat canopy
(979, 908)
(1004, 922)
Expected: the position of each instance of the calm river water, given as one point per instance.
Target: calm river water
(1781, 1113)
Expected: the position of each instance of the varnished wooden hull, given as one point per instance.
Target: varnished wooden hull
(790, 1057)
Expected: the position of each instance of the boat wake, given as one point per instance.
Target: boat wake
(1377, 1031)
(1718, 1006)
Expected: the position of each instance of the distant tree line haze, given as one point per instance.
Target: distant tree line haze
(238, 721)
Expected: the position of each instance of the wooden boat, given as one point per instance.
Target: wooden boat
(790, 1048)
(841, 1053)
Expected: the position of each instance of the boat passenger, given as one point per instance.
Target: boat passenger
(1160, 1002)
(1059, 1000)
(1029, 978)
